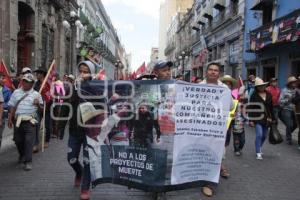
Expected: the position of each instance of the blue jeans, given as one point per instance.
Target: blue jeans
(74, 144)
(288, 118)
(261, 134)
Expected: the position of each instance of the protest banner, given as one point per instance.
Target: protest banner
(155, 135)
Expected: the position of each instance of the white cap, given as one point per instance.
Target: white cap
(26, 69)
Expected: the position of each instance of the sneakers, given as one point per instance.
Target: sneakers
(85, 195)
(207, 191)
(46, 145)
(27, 166)
(237, 153)
(35, 149)
(77, 181)
(259, 156)
(299, 147)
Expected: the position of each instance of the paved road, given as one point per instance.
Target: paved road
(277, 177)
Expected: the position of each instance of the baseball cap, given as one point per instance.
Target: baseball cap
(41, 70)
(162, 64)
(26, 70)
(28, 77)
(71, 76)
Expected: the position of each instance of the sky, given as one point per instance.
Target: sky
(137, 24)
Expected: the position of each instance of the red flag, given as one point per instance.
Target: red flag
(240, 82)
(133, 75)
(7, 79)
(101, 75)
(46, 86)
(141, 69)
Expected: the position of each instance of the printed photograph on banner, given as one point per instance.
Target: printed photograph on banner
(155, 134)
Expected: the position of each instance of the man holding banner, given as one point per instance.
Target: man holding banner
(212, 78)
(77, 136)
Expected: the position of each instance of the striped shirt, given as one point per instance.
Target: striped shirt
(26, 106)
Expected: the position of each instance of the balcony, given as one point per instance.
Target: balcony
(200, 20)
(207, 11)
(195, 26)
(58, 3)
(261, 4)
(219, 4)
(281, 30)
(170, 47)
(227, 14)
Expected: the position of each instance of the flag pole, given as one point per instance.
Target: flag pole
(43, 131)
(44, 109)
(46, 78)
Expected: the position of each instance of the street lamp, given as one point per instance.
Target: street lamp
(71, 23)
(183, 57)
(117, 64)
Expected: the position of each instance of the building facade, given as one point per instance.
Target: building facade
(153, 59)
(100, 36)
(272, 32)
(32, 33)
(220, 27)
(35, 32)
(168, 9)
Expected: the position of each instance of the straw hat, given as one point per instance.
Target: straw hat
(88, 111)
(226, 78)
(273, 79)
(259, 82)
(291, 79)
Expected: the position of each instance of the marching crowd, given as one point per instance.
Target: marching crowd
(24, 108)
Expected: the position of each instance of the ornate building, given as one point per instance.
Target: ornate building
(32, 33)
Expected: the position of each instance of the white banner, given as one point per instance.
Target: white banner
(201, 113)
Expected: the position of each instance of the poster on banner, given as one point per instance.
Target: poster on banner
(142, 133)
(200, 114)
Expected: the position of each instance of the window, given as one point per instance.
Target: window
(209, 55)
(234, 48)
(221, 51)
(267, 15)
(234, 7)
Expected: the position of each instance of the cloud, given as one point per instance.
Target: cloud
(123, 27)
(141, 7)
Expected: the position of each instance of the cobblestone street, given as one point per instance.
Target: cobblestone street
(274, 178)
